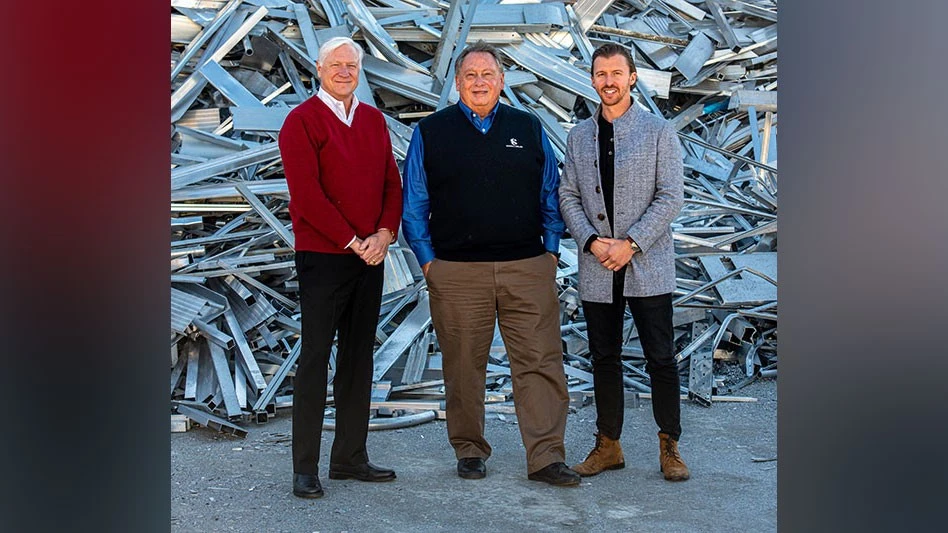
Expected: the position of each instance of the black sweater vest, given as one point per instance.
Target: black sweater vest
(484, 189)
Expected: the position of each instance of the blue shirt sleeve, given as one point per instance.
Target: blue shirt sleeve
(415, 204)
(553, 225)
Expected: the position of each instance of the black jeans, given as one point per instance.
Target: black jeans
(338, 292)
(653, 320)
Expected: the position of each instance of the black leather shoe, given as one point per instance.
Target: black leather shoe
(363, 472)
(472, 468)
(556, 474)
(307, 486)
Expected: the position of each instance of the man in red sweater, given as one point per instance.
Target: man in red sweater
(345, 203)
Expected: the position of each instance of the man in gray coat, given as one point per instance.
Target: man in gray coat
(621, 187)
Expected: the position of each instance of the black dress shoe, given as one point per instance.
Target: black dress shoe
(472, 468)
(556, 474)
(363, 472)
(307, 486)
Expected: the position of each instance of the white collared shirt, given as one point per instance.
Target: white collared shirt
(339, 108)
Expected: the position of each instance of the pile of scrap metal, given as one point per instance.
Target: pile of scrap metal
(239, 66)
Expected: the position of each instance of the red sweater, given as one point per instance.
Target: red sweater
(343, 180)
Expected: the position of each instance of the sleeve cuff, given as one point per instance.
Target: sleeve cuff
(589, 242)
(354, 237)
(424, 255)
(551, 241)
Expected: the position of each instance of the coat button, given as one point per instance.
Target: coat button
(596, 164)
(600, 216)
(598, 189)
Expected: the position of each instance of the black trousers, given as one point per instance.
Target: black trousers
(338, 292)
(653, 320)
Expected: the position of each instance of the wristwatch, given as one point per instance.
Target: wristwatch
(634, 245)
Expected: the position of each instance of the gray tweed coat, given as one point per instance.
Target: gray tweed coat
(649, 186)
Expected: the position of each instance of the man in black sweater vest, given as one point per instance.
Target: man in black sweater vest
(481, 214)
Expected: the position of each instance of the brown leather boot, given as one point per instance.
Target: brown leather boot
(606, 455)
(673, 466)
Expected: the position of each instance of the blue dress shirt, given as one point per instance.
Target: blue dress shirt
(416, 206)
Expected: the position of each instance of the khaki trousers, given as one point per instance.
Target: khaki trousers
(466, 298)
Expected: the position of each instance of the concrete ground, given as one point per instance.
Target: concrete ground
(223, 483)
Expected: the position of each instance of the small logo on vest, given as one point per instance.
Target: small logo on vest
(513, 144)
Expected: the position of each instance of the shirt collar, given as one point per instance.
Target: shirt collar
(338, 107)
(482, 124)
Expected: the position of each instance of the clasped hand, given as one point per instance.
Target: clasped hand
(612, 253)
(373, 248)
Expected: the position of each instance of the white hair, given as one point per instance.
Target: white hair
(330, 45)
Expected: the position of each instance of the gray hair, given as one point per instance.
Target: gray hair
(481, 47)
(330, 45)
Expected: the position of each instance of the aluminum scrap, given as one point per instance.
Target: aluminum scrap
(239, 66)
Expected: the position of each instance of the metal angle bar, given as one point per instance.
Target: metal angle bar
(444, 53)
(217, 140)
(769, 227)
(240, 386)
(181, 98)
(638, 35)
(718, 14)
(184, 308)
(399, 80)
(551, 68)
(191, 374)
(417, 358)
(245, 354)
(728, 276)
(331, 10)
(293, 51)
(754, 132)
(216, 259)
(288, 323)
(176, 371)
(578, 34)
(718, 149)
(701, 377)
(222, 165)
(745, 7)
(205, 377)
(227, 190)
(375, 34)
(203, 36)
(719, 197)
(697, 343)
(210, 421)
(589, 11)
(213, 239)
(299, 88)
(195, 83)
(305, 25)
(213, 334)
(400, 339)
(228, 86)
(765, 141)
(731, 207)
(225, 381)
(267, 395)
(259, 119)
(267, 216)
(269, 291)
(684, 7)
(555, 131)
(694, 56)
